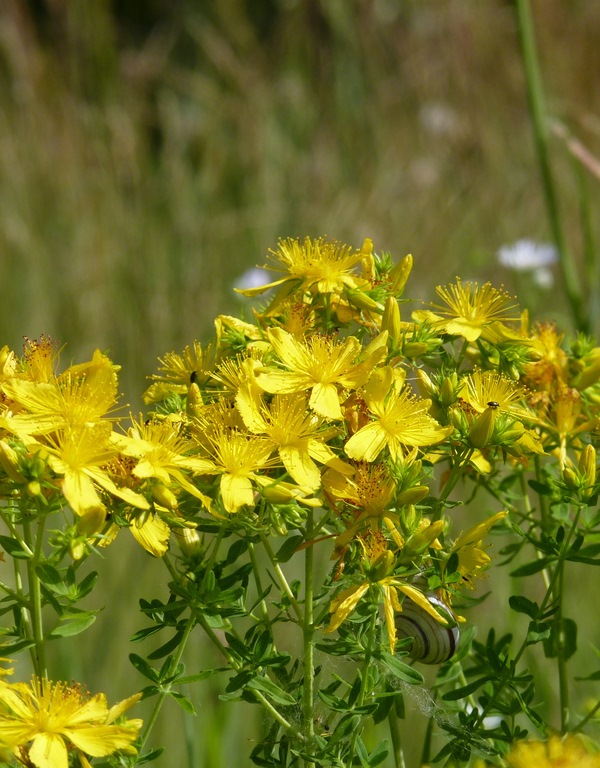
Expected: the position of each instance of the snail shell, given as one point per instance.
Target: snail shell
(433, 643)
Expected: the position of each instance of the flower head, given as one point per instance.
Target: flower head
(45, 720)
(557, 752)
(399, 420)
(469, 309)
(313, 265)
(319, 364)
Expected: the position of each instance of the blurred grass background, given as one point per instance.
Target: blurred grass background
(151, 152)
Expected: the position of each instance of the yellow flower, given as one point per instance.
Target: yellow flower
(238, 457)
(80, 456)
(44, 721)
(163, 453)
(567, 752)
(380, 577)
(399, 420)
(177, 370)
(82, 395)
(299, 437)
(322, 365)
(469, 308)
(314, 265)
(484, 387)
(472, 558)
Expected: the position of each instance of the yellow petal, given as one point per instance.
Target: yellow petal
(236, 491)
(345, 603)
(325, 401)
(300, 466)
(419, 598)
(153, 535)
(367, 443)
(48, 751)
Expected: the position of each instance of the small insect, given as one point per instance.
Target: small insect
(493, 404)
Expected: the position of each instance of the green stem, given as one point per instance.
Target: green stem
(263, 606)
(551, 592)
(38, 650)
(281, 578)
(236, 666)
(165, 690)
(563, 680)
(365, 680)
(455, 474)
(308, 632)
(397, 750)
(535, 95)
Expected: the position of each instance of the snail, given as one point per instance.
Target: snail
(433, 643)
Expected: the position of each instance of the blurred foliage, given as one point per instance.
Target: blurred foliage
(150, 152)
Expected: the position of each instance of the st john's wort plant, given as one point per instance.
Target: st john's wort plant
(301, 477)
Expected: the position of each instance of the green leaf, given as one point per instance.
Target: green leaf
(379, 754)
(72, 625)
(541, 488)
(288, 548)
(465, 690)
(87, 584)
(183, 702)
(533, 567)
(48, 574)
(274, 692)
(169, 646)
(13, 548)
(236, 550)
(400, 669)
(206, 673)
(521, 604)
(143, 667)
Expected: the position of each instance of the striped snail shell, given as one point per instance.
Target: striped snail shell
(433, 643)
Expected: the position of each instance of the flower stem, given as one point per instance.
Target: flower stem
(364, 680)
(535, 95)
(397, 750)
(308, 631)
(282, 580)
(38, 651)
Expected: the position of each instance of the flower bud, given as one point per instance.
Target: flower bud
(412, 495)
(483, 428)
(400, 274)
(164, 496)
(194, 403)
(413, 349)
(361, 300)
(587, 469)
(570, 479)
(448, 392)
(91, 521)
(390, 321)
(366, 260)
(9, 461)
(382, 566)
(189, 541)
(425, 386)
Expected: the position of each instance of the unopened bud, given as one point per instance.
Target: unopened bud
(366, 259)
(447, 392)
(91, 521)
(483, 428)
(425, 386)
(390, 321)
(362, 300)
(194, 403)
(382, 566)
(570, 478)
(9, 461)
(34, 488)
(189, 541)
(164, 496)
(412, 495)
(587, 469)
(413, 349)
(400, 274)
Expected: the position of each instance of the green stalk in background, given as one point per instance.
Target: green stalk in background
(535, 95)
